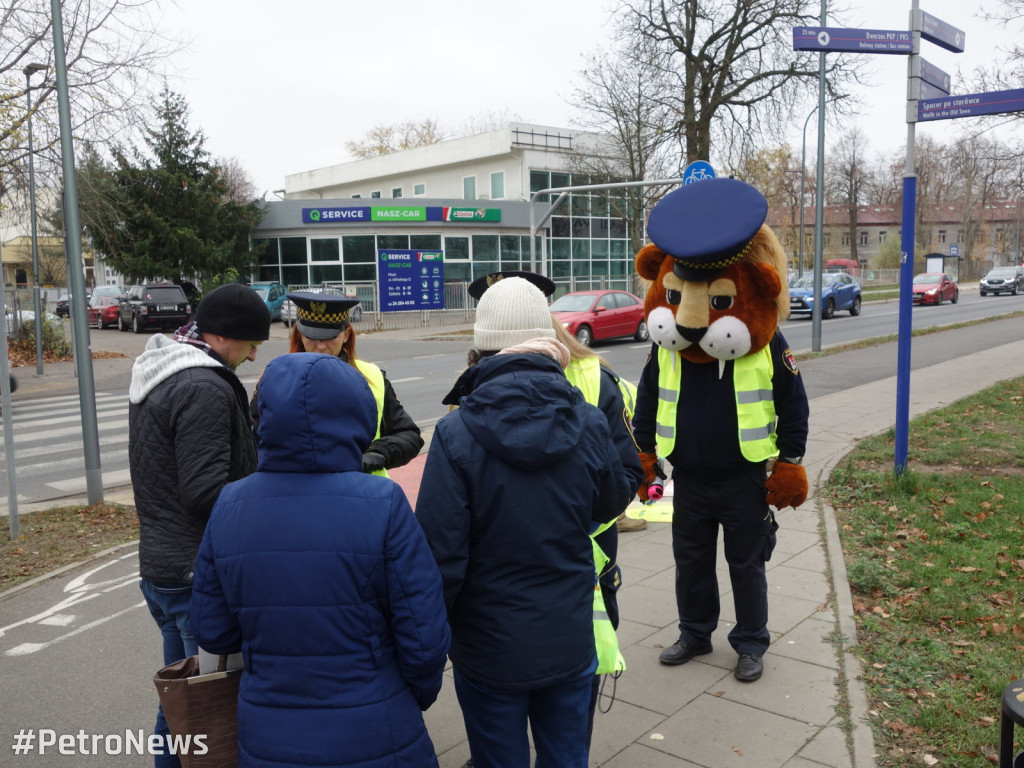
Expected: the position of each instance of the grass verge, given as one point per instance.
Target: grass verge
(53, 538)
(935, 559)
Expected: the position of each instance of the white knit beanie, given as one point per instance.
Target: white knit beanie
(510, 312)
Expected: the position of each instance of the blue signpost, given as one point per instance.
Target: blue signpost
(971, 105)
(897, 41)
(410, 280)
(930, 74)
(939, 32)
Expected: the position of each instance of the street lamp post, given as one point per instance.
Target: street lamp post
(803, 176)
(30, 70)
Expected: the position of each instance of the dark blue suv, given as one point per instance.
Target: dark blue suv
(839, 292)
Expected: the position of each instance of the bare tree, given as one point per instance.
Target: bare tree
(240, 186)
(776, 174)
(847, 178)
(617, 100)
(488, 121)
(385, 139)
(112, 52)
(733, 65)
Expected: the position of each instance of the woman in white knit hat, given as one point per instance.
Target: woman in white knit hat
(514, 480)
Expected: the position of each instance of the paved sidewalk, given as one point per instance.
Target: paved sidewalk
(697, 715)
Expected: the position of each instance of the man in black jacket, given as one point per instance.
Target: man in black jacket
(189, 434)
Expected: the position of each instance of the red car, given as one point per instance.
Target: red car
(102, 311)
(935, 288)
(595, 315)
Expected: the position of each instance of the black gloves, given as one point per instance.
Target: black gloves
(372, 461)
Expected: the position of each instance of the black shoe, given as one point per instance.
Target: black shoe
(680, 652)
(749, 668)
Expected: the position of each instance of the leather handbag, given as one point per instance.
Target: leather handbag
(206, 706)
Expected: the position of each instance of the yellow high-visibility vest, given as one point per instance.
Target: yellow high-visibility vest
(755, 403)
(585, 374)
(375, 379)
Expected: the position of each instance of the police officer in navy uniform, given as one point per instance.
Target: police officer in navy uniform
(322, 325)
(719, 477)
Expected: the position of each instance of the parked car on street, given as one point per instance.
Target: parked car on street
(153, 306)
(273, 295)
(288, 308)
(102, 311)
(1003, 280)
(935, 288)
(601, 314)
(839, 293)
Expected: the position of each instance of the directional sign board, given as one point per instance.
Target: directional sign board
(939, 32)
(930, 74)
(852, 40)
(971, 105)
(929, 91)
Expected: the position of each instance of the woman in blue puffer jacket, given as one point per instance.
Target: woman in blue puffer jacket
(322, 577)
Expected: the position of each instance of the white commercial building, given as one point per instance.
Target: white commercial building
(467, 198)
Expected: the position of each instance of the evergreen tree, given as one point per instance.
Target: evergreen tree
(170, 215)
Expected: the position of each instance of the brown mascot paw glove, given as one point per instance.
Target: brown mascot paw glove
(649, 462)
(786, 485)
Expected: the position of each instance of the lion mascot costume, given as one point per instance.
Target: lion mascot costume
(721, 400)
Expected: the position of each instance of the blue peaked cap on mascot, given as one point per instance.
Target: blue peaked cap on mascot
(716, 290)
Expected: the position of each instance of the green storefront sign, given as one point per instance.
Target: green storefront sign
(396, 213)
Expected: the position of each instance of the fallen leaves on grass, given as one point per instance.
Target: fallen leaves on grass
(53, 538)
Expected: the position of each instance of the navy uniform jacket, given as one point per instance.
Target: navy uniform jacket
(707, 435)
(513, 481)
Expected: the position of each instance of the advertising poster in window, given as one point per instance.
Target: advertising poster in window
(410, 280)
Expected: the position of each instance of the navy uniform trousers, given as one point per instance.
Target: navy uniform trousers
(737, 503)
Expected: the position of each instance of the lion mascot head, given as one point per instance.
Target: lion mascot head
(715, 270)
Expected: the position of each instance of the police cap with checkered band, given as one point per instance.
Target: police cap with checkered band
(707, 225)
(321, 315)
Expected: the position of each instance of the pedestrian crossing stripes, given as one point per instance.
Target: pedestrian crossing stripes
(48, 450)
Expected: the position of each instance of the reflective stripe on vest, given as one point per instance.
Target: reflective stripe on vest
(755, 404)
(609, 658)
(585, 374)
(375, 379)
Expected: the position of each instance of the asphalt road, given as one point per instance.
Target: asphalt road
(47, 430)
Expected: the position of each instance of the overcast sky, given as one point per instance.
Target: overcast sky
(283, 85)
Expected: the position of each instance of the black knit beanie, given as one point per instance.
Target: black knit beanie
(234, 311)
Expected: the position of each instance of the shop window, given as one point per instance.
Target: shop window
(425, 242)
(293, 250)
(456, 248)
(324, 249)
(359, 249)
(294, 275)
(359, 273)
(326, 273)
(392, 242)
(485, 248)
(560, 226)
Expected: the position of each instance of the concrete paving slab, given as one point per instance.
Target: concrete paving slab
(811, 641)
(713, 731)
